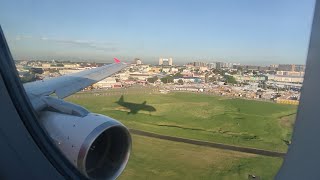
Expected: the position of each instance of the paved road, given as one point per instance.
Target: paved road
(210, 144)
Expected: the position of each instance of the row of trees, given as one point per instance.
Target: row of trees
(230, 79)
(167, 79)
(28, 78)
(153, 79)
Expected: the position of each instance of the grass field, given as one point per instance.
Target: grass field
(239, 122)
(161, 159)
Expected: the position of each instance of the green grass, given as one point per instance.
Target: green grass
(160, 159)
(239, 122)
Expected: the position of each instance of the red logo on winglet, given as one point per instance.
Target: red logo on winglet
(116, 60)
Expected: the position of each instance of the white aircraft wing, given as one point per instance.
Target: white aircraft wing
(67, 85)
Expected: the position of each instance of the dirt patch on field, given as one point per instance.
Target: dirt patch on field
(287, 121)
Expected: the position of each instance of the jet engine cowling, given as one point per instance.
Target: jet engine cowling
(97, 145)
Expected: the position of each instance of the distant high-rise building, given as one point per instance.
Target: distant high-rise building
(160, 61)
(228, 65)
(291, 67)
(165, 61)
(200, 64)
(285, 67)
(252, 67)
(299, 68)
(219, 65)
(212, 65)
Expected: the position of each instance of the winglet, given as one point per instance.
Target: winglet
(116, 60)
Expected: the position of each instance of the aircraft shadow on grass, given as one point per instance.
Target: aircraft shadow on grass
(135, 107)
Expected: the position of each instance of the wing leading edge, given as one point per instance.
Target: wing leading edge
(67, 85)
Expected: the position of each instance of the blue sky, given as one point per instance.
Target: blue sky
(245, 31)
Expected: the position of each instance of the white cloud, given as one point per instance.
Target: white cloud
(21, 37)
(103, 46)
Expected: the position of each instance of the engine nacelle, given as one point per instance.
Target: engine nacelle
(97, 145)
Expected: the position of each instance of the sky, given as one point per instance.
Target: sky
(243, 31)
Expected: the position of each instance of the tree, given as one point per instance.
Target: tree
(212, 79)
(230, 79)
(263, 85)
(36, 70)
(233, 72)
(180, 81)
(206, 78)
(131, 78)
(57, 65)
(167, 79)
(178, 75)
(28, 78)
(153, 79)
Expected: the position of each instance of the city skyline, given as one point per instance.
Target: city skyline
(264, 32)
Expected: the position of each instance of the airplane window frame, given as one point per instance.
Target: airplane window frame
(302, 160)
(28, 115)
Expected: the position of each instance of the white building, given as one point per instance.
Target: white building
(166, 70)
(165, 61)
(124, 76)
(108, 82)
(170, 62)
(203, 68)
(283, 78)
(71, 65)
(212, 65)
(174, 70)
(160, 61)
(46, 65)
(140, 76)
